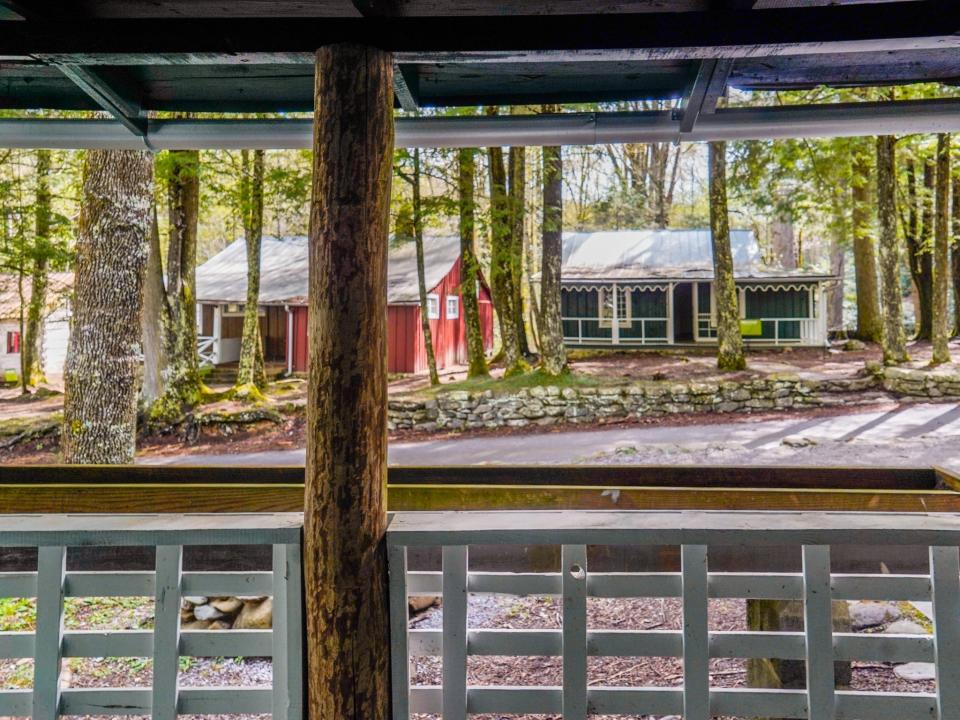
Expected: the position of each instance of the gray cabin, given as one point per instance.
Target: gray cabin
(655, 287)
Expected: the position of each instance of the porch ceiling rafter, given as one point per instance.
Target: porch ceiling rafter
(125, 111)
(729, 33)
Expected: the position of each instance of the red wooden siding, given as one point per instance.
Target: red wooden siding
(406, 352)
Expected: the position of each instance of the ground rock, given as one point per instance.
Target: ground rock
(916, 671)
(228, 606)
(255, 616)
(906, 627)
(206, 612)
(871, 614)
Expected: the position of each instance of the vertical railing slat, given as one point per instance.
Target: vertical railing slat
(287, 634)
(48, 652)
(454, 632)
(574, 572)
(399, 630)
(945, 580)
(166, 632)
(696, 656)
(818, 627)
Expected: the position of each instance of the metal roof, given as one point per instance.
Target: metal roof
(136, 57)
(59, 287)
(655, 255)
(284, 271)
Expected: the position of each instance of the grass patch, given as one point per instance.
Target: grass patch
(504, 386)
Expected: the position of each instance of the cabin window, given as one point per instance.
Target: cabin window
(433, 307)
(623, 307)
(13, 342)
(453, 307)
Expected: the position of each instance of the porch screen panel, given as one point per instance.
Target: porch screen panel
(778, 304)
(646, 304)
(582, 304)
(703, 311)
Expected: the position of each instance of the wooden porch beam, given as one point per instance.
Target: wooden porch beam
(406, 87)
(107, 97)
(345, 502)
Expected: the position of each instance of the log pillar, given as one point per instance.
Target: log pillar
(348, 653)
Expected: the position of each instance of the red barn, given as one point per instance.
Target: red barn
(222, 287)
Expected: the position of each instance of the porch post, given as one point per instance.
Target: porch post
(670, 337)
(615, 314)
(289, 343)
(216, 334)
(345, 518)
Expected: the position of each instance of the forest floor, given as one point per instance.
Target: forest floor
(29, 425)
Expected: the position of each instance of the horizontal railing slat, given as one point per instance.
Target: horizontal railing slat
(15, 703)
(15, 645)
(18, 584)
(227, 583)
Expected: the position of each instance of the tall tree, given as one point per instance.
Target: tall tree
(864, 249)
(251, 375)
(516, 181)
(154, 318)
(180, 377)
(729, 340)
(918, 235)
(955, 252)
(103, 370)
(501, 277)
(941, 257)
(32, 359)
(347, 630)
(554, 356)
(469, 266)
(893, 338)
(421, 271)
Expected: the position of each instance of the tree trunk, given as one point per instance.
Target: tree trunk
(155, 314)
(729, 340)
(251, 376)
(918, 240)
(182, 385)
(554, 360)
(344, 557)
(421, 273)
(469, 266)
(32, 346)
(516, 180)
(103, 369)
(941, 254)
(955, 253)
(784, 243)
(864, 251)
(893, 337)
(501, 277)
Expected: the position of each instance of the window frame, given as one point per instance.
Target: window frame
(606, 316)
(433, 306)
(456, 307)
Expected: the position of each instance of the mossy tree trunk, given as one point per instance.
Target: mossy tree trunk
(955, 252)
(941, 254)
(103, 370)
(182, 387)
(516, 180)
(344, 557)
(32, 347)
(501, 274)
(421, 272)
(251, 376)
(729, 340)
(893, 337)
(469, 265)
(554, 360)
(864, 250)
(918, 236)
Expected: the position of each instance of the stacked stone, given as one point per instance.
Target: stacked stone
(244, 612)
(910, 382)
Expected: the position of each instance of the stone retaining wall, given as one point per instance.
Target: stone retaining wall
(460, 410)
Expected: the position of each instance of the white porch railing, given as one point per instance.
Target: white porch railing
(693, 532)
(784, 331)
(165, 644)
(207, 350)
(646, 337)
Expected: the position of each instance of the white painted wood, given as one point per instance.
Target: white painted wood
(883, 647)
(225, 700)
(14, 645)
(756, 586)
(515, 700)
(635, 701)
(425, 643)
(779, 645)
(670, 527)
(166, 645)
(287, 633)
(745, 702)
(110, 584)
(696, 677)
(424, 583)
(945, 578)
(193, 701)
(573, 565)
(426, 699)
(855, 705)
(454, 632)
(881, 587)
(400, 648)
(627, 643)
(227, 583)
(236, 643)
(100, 643)
(15, 703)
(18, 585)
(48, 648)
(818, 626)
(515, 583)
(515, 642)
(147, 530)
(620, 585)
(106, 701)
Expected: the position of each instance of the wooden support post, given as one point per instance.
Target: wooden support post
(345, 561)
